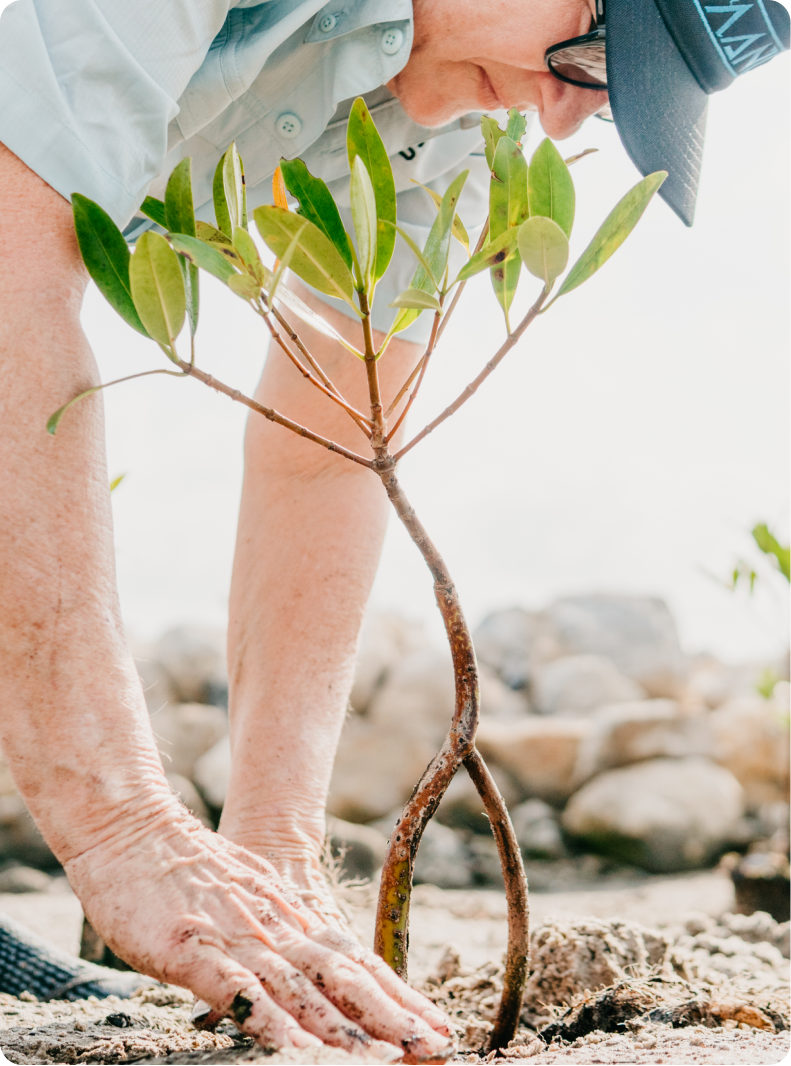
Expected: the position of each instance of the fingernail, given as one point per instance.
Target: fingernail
(299, 1038)
(436, 1019)
(384, 1052)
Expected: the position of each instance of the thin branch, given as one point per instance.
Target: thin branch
(295, 339)
(270, 413)
(423, 368)
(372, 370)
(358, 417)
(460, 290)
(462, 398)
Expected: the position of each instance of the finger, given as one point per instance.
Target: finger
(357, 995)
(389, 981)
(290, 989)
(230, 989)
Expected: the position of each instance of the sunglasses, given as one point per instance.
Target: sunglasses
(581, 61)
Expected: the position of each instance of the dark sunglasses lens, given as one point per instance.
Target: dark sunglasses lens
(581, 64)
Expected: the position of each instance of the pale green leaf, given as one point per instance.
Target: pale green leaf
(550, 189)
(458, 230)
(544, 248)
(157, 288)
(363, 204)
(613, 231)
(517, 124)
(245, 286)
(210, 233)
(492, 254)
(491, 135)
(580, 155)
(507, 210)
(204, 255)
(244, 245)
(417, 299)
(230, 195)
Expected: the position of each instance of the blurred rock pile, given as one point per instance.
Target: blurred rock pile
(601, 734)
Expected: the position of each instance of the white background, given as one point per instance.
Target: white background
(629, 443)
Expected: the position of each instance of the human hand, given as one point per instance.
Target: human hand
(186, 906)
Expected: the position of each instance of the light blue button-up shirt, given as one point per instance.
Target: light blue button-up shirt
(104, 97)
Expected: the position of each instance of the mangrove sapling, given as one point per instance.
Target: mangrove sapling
(530, 219)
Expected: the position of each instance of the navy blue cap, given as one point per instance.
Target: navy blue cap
(664, 59)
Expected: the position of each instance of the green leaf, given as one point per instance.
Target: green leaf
(550, 189)
(106, 256)
(580, 155)
(179, 211)
(458, 230)
(244, 245)
(316, 204)
(770, 545)
(363, 203)
(491, 135)
(316, 259)
(435, 251)
(230, 195)
(203, 255)
(492, 254)
(54, 419)
(245, 286)
(155, 210)
(207, 232)
(418, 254)
(363, 140)
(158, 288)
(544, 248)
(116, 482)
(416, 298)
(517, 124)
(613, 232)
(507, 210)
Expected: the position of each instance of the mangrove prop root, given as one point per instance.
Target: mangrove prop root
(518, 954)
(392, 918)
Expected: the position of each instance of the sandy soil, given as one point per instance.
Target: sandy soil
(154, 1026)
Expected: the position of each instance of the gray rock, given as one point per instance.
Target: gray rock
(15, 879)
(750, 737)
(443, 858)
(543, 755)
(485, 861)
(20, 839)
(462, 808)
(184, 732)
(512, 642)
(193, 658)
(637, 633)
(190, 797)
(384, 640)
(662, 814)
(579, 684)
(212, 773)
(360, 849)
(537, 828)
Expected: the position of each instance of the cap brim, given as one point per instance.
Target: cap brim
(658, 107)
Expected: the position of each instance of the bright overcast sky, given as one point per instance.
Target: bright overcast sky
(629, 443)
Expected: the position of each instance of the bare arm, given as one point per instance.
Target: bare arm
(173, 899)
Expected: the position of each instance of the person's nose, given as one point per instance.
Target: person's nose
(565, 107)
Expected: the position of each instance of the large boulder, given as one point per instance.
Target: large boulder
(648, 729)
(443, 859)
(385, 640)
(462, 808)
(537, 830)
(543, 755)
(750, 737)
(579, 684)
(193, 659)
(184, 732)
(661, 814)
(513, 642)
(637, 633)
(359, 849)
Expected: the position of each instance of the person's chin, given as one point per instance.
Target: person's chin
(433, 112)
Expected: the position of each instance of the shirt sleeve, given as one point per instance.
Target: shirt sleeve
(88, 88)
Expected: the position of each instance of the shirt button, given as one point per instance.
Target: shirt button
(289, 126)
(328, 23)
(392, 40)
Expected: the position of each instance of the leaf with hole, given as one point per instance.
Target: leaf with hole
(613, 232)
(492, 254)
(544, 248)
(517, 124)
(157, 288)
(204, 255)
(106, 256)
(417, 299)
(491, 135)
(363, 141)
(316, 204)
(363, 204)
(550, 189)
(316, 259)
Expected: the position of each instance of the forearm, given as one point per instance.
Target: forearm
(74, 726)
(310, 535)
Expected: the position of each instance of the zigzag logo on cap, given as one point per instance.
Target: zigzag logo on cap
(736, 49)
